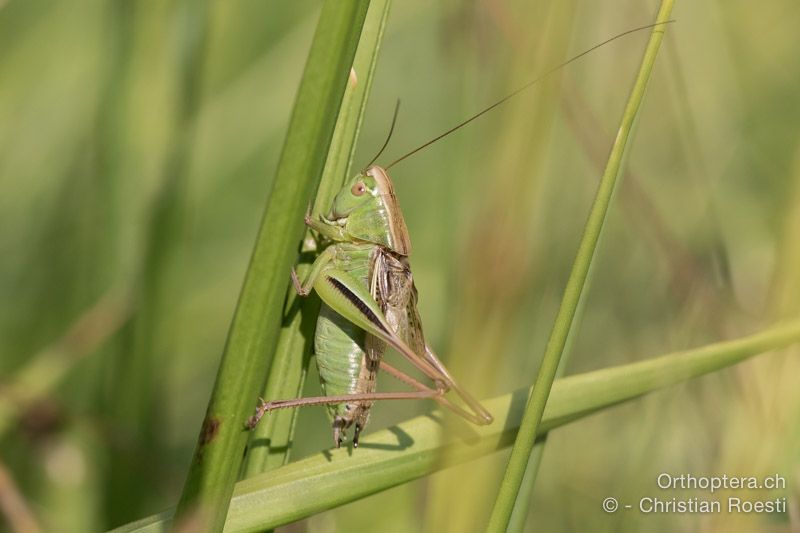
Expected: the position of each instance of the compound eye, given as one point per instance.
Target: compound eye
(358, 189)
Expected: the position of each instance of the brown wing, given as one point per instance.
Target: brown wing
(393, 288)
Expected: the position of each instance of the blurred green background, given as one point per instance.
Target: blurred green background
(138, 141)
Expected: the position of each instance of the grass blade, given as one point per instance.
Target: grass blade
(254, 331)
(526, 438)
(271, 440)
(415, 448)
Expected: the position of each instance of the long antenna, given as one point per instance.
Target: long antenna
(526, 86)
(388, 137)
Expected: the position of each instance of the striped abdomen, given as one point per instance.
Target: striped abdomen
(342, 349)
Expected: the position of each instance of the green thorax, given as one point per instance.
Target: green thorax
(368, 210)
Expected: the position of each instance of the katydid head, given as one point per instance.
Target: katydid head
(368, 209)
(356, 194)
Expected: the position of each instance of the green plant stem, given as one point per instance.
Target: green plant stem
(270, 444)
(254, 331)
(418, 447)
(529, 427)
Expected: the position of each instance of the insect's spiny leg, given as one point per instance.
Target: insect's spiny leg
(302, 291)
(338, 431)
(265, 407)
(260, 411)
(438, 393)
(482, 416)
(356, 433)
(402, 376)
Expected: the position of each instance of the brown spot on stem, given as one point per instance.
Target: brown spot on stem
(209, 430)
